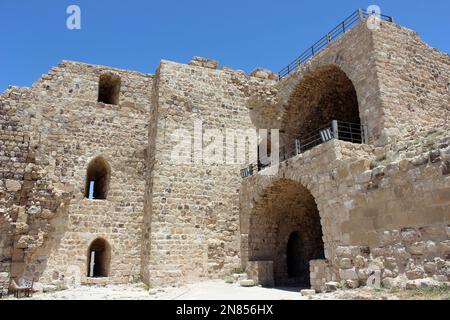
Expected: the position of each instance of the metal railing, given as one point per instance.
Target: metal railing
(331, 36)
(341, 130)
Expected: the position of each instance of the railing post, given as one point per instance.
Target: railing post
(297, 147)
(345, 25)
(360, 12)
(334, 127)
(366, 134)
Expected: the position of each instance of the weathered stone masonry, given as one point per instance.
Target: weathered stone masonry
(164, 222)
(66, 128)
(194, 209)
(383, 206)
(339, 209)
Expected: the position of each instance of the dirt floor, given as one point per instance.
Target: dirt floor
(219, 290)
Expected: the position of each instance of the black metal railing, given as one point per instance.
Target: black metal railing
(331, 36)
(345, 131)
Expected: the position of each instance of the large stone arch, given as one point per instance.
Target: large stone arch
(322, 94)
(285, 206)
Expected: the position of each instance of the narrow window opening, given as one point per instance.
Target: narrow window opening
(109, 89)
(97, 179)
(91, 190)
(99, 259)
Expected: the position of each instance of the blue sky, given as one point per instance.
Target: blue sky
(137, 34)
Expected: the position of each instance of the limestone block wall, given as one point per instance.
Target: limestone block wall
(68, 128)
(383, 204)
(398, 220)
(413, 84)
(23, 184)
(14, 151)
(398, 183)
(312, 170)
(194, 207)
(149, 174)
(6, 244)
(394, 217)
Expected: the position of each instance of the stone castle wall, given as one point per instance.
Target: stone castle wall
(194, 205)
(67, 129)
(384, 204)
(14, 149)
(399, 220)
(394, 217)
(414, 85)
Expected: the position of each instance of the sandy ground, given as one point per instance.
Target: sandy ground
(208, 290)
(212, 290)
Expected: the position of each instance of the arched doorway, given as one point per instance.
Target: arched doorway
(99, 259)
(285, 228)
(97, 179)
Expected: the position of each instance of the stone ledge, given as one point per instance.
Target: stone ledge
(264, 74)
(204, 62)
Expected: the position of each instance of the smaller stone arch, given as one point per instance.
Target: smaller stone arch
(285, 228)
(98, 177)
(99, 259)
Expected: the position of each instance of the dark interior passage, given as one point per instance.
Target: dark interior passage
(286, 229)
(296, 264)
(109, 89)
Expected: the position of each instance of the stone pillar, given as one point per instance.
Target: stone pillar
(261, 272)
(320, 274)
